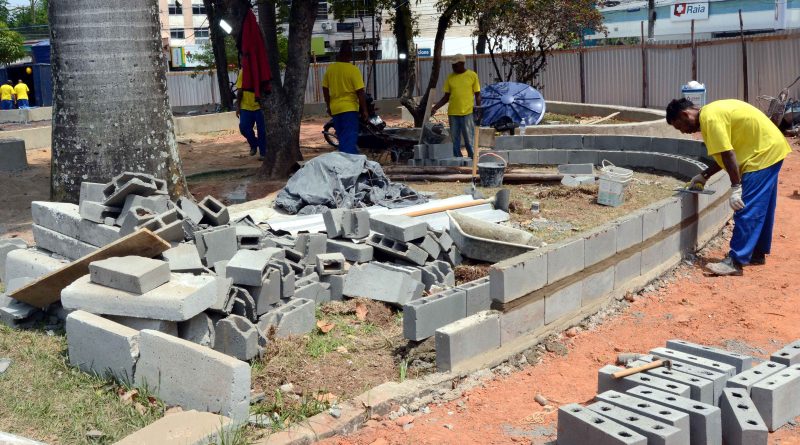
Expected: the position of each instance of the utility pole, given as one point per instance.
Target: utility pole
(651, 19)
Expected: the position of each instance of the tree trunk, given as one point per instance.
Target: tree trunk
(285, 104)
(110, 109)
(404, 35)
(214, 11)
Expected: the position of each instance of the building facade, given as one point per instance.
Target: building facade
(184, 29)
(712, 18)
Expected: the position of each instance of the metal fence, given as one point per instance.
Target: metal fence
(612, 75)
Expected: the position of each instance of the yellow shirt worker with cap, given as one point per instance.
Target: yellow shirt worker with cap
(462, 90)
(751, 149)
(21, 91)
(7, 96)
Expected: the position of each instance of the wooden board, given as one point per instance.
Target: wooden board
(47, 290)
(427, 116)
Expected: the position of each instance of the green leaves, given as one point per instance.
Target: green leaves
(11, 48)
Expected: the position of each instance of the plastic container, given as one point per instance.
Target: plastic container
(695, 92)
(491, 173)
(613, 183)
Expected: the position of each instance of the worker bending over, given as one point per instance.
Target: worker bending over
(751, 149)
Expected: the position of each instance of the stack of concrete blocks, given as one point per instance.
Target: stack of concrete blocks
(13, 156)
(684, 157)
(439, 155)
(749, 402)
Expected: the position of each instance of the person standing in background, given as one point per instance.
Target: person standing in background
(7, 96)
(343, 88)
(462, 90)
(250, 114)
(21, 90)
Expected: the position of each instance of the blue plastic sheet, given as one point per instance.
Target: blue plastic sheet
(517, 101)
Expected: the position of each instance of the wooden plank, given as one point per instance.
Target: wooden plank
(47, 290)
(602, 119)
(427, 116)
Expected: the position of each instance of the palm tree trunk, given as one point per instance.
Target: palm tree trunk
(110, 110)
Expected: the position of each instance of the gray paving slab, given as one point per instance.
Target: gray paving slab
(741, 422)
(705, 420)
(580, 426)
(100, 346)
(133, 274)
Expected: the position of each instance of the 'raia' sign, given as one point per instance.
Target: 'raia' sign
(689, 11)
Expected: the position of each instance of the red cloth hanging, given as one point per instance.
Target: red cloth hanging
(256, 75)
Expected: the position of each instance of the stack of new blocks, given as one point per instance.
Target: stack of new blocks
(708, 396)
(440, 155)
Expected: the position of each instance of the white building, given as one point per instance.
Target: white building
(184, 29)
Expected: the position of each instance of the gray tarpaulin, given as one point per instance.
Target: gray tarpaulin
(340, 180)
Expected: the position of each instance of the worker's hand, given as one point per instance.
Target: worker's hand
(697, 182)
(736, 198)
(364, 116)
(434, 109)
(328, 109)
(237, 112)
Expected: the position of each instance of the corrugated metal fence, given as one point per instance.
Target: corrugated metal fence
(613, 74)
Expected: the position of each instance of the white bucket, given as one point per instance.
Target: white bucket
(613, 182)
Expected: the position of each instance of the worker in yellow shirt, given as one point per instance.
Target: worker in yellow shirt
(7, 96)
(250, 114)
(21, 90)
(751, 149)
(461, 86)
(343, 89)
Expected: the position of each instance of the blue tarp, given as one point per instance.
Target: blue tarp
(516, 100)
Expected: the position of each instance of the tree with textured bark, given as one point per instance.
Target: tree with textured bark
(215, 10)
(523, 33)
(110, 108)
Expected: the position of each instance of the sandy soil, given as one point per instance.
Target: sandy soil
(755, 314)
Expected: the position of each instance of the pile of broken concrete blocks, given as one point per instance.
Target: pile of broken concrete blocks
(708, 396)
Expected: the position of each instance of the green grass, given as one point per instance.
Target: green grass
(281, 413)
(44, 398)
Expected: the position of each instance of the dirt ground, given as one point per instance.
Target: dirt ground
(754, 314)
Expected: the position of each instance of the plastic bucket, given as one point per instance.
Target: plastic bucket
(491, 173)
(613, 182)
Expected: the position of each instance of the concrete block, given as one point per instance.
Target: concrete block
(566, 141)
(627, 269)
(461, 340)
(14, 313)
(333, 219)
(694, 360)
(198, 329)
(214, 212)
(311, 245)
(521, 320)
(422, 317)
(236, 336)
(183, 297)
(155, 204)
(95, 212)
(139, 217)
(649, 409)
(336, 285)
(330, 264)
(575, 169)
(741, 422)
(249, 237)
(615, 157)
(518, 276)
(553, 157)
(705, 422)
(243, 304)
(629, 231)
(506, 143)
(376, 283)
(537, 141)
(604, 142)
(739, 361)
(656, 432)
(132, 274)
(356, 253)
(478, 298)
(296, 317)
(247, 267)
(420, 152)
(439, 151)
(564, 259)
(671, 213)
(398, 249)
(313, 291)
(444, 240)
(169, 366)
(217, 244)
(101, 346)
(524, 157)
(746, 379)
(191, 209)
(429, 244)
(6, 246)
(653, 256)
(719, 379)
(128, 184)
(788, 355)
(398, 227)
(578, 426)
(701, 389)
(184, 258)
(356, 224)
(606, 382)
(582, 156)
(63, 245)
(776, 397)
(563, 302)
(183, 428)
(97, 234)
(60, 217)
(597, 286)
(652, 222)
(268, 293)
(91, 191)
(30, 263)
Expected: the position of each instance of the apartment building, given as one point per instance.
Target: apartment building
(184, 29)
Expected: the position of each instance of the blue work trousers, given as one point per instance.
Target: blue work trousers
(346, 126)
(247, 119)
(462, 126)
(752, 230)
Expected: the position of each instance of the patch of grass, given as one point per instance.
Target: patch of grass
(280, 412)
(403, 370)
(321, 344)
(44, 398)
(236, 436)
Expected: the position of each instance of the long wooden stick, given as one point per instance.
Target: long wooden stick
(638, 369)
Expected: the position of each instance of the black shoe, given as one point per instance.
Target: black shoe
(758, 259)
(253, 152)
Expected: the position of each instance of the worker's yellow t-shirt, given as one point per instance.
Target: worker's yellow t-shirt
(22, 91)
(462, 88)
(342, 81)
(6, 92)
(735, 125)
(249, 102)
